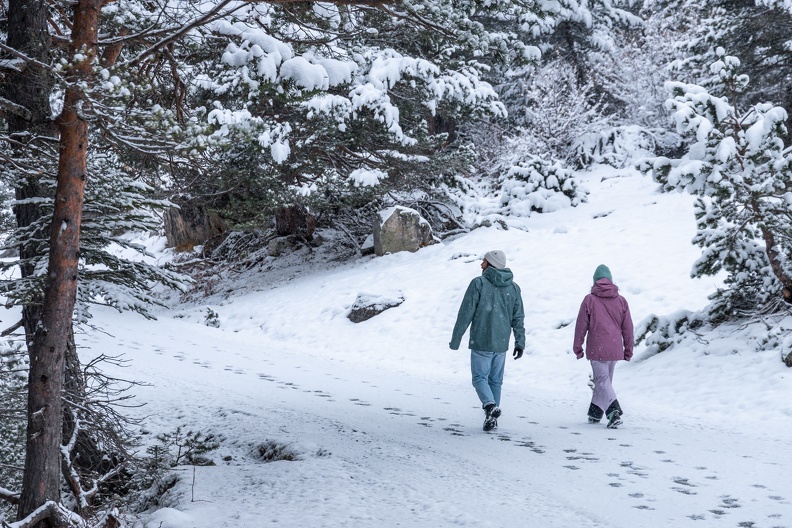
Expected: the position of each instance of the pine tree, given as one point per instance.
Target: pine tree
(373, 96)
(740, 172)
(755, 31)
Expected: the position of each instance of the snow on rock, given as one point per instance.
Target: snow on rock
(401, 228)
(368, 305)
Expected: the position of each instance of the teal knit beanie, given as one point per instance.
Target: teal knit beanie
(602, 273)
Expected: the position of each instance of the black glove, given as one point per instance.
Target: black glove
(518, 352)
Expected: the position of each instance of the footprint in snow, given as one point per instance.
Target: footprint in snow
(583, 456)
(454, 431)
(634, 470)
(527, 442)
(602, 214)
(730, 502)
(425, 421)
(684, 491)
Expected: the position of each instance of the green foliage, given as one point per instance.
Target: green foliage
(395, 91)
(180, 447)
(663, 332)
(113, 267)
(151, 476)
(13, 422)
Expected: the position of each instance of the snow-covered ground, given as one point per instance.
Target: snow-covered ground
(385, 428)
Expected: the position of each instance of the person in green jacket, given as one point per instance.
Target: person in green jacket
(493, 308)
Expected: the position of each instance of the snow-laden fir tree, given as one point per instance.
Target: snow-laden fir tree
(115, 270)
(741, 173)
(757, 32)
(322, 104)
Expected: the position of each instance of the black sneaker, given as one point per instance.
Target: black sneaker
(491, 420)
(614, 420)
(490, 423)
(593, 420)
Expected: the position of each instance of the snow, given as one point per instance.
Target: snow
(305, 74)
(367, 177)
(386, 213)
(382, 427)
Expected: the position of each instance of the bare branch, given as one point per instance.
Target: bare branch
(212, 14)
(60, 517)
(9, 496)
(415, 17)
(28, 60)
(218, 12)
(12, 329)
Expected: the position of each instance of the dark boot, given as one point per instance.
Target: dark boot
(614, 407)
(614, 414)
(594, 414)
(491, 420)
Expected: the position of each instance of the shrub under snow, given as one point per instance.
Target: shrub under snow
(534, 184)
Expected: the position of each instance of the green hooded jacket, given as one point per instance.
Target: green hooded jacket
(492, 307)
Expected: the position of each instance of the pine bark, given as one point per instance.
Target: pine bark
(41, 482)
(30, 89)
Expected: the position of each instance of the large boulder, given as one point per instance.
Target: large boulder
(191, 224)
(401, 229)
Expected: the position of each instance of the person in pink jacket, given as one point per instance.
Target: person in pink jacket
(604, 322)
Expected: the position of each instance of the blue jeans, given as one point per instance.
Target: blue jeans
(487, 370)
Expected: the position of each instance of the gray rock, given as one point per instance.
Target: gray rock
(367, 306)
(401, 229)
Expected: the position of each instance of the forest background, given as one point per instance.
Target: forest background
(274, 124)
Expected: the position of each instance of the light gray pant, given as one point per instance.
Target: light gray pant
(603, 383)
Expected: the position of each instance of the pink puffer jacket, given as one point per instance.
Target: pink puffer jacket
(605, 316)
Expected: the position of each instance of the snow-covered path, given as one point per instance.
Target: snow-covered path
(385, 428)
(386, 447)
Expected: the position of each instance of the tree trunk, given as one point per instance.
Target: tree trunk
(294, 220)
(41, 481)
(30, 88)
(775, 264)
